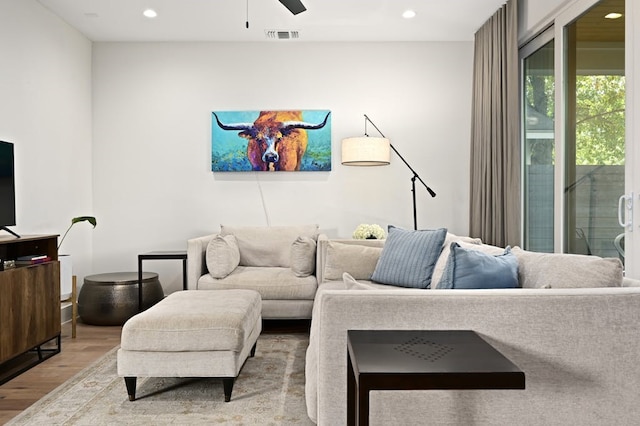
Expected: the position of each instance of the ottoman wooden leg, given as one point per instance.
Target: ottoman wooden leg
(253, 349)
(227, 383)
(130, 383)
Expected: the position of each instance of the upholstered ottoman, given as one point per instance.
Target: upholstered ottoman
(192, 334)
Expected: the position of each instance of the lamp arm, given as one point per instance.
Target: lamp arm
(433, 194)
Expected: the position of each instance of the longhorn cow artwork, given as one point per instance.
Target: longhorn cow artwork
(271, 140)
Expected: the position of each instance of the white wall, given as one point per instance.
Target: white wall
(45, 110)
(146, 176)
(535, 15)
(152, 103)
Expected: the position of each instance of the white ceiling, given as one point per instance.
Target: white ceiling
(324, 20)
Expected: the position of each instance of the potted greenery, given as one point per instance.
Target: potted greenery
(90, 219)
(66, 268)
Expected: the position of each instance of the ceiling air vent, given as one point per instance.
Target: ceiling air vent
(281, 35)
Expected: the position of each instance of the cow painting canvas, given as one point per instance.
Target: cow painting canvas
(295, 140)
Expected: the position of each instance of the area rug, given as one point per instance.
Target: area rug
(269, 391)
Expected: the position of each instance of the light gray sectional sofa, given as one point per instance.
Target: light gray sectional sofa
(578, 347)
(574, 329)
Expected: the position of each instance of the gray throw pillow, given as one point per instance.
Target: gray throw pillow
(303, 256)
(267, 245)
(358, 260)
(409, 257)
(473, 269)
(222, 255)
(559, 270)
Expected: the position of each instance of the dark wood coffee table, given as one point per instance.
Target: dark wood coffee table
(421, 359)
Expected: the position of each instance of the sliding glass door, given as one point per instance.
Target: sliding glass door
(574, 90)
(594, 143)
(631, 201)
(538, 93)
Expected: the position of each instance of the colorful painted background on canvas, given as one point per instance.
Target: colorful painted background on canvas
(294, 140)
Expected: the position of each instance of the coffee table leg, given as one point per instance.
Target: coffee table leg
(351, 393)
(139, 284)
(363, 404)
(184, 274)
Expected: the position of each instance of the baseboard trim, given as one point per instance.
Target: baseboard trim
(65, 312)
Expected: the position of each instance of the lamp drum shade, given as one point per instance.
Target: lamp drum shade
(365, 151)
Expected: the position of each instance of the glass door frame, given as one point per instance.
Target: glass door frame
(532, 46)
(632, 153)
(568, 14)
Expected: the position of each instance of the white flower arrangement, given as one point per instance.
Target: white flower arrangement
(364, 232)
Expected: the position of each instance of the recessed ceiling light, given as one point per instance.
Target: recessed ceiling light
(150, 13)
(613, 15)
(408, 14)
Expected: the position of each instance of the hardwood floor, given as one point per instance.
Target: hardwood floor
(91, 343)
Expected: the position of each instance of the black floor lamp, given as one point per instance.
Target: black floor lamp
(372, 151)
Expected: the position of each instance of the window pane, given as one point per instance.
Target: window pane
(539, 142)
(595, 146)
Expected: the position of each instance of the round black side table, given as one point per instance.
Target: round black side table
(112, 298)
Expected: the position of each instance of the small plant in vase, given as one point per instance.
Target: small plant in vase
(369, 232)
(90, 219)
(66, 269)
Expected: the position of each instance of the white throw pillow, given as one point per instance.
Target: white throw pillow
(350, 283)
(358, 260)
(303, 256)
(222, 255)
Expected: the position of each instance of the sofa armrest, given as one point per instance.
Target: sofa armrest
(321, 255)
(582, 341)
(630, 282)
(196, 264)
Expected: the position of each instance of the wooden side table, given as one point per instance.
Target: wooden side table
(73, 299)
(161, 255)
(421, 360)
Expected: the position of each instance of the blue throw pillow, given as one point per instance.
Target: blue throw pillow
(408, 257)
(467, 268)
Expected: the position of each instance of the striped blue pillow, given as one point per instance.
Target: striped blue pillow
(408, 257)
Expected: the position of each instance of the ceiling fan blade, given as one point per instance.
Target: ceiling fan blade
(294, 6)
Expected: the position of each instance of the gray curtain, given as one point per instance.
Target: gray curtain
(495, 135)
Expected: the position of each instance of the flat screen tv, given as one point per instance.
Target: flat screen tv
(7, 187)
